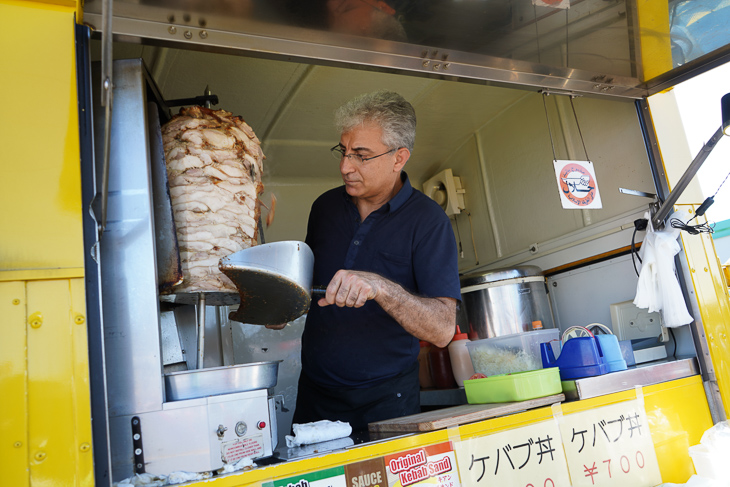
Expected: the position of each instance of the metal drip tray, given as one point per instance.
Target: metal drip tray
(191, 384)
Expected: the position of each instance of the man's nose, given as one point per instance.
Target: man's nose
(347, 166)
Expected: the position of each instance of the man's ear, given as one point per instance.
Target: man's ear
(401, 157)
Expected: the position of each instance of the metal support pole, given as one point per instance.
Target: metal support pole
(658, 218)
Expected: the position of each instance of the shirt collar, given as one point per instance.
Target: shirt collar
(403, 194)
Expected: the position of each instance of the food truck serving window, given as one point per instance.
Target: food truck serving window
(615, 47)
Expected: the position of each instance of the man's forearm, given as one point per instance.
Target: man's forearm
(429, 319)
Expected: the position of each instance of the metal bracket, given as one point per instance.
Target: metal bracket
(206, 100)
(548, 92)
(137, 445)
(636, 192)
(284, 409)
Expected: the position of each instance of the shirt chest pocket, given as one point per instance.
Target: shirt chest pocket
(393, 266)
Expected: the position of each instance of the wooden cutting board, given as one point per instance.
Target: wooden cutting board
(468, 413)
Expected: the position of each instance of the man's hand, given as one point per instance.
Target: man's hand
(351, 289)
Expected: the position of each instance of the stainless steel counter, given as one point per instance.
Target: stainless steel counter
(643, 375)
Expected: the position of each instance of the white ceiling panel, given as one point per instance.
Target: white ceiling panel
(291, 105)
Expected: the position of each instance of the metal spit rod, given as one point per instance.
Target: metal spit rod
(201, 329)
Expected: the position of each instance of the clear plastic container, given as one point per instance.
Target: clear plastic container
(460, 360)
(508, 354)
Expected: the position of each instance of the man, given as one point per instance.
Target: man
(388, 255)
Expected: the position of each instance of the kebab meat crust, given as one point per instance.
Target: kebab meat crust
(214, 166)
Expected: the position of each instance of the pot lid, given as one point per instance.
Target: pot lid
(496, 275)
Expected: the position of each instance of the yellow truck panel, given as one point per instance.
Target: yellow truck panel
(40, 191)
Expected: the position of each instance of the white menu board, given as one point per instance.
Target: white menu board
(531, 456)
(610, 446)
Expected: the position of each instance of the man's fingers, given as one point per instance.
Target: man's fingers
(362, 298)
(333, 288)
(350, 289)
(352, 298)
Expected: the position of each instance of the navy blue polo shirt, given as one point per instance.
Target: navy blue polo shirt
(408, 240)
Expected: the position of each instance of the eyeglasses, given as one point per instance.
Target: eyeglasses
(338, 152)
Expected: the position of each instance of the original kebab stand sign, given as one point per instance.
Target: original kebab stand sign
(433, 465)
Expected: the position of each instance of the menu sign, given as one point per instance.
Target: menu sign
(332, 477)
(610, 446)
(370, 473)
(434, 465)
(531, 456)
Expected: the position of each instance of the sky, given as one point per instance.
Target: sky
(699, 106)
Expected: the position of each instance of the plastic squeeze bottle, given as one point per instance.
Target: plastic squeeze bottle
(460, 359)
(443, 377)
(424, 366)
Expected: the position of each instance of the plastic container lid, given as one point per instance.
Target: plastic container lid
(460, 336)
(497, 275)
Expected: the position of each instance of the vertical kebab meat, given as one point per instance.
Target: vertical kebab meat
(214, 166)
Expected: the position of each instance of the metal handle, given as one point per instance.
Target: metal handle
(319, 291)
(107, 100)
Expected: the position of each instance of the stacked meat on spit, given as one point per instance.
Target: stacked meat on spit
(214, 166)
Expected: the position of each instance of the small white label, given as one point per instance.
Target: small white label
(233, 451)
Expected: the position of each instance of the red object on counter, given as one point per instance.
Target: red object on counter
(443, 375)
(424, 366)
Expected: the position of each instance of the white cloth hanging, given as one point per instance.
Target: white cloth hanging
(658, 287)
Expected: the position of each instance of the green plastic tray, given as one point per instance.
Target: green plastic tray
(520, 386)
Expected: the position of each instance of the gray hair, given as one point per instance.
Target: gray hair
(387, 109)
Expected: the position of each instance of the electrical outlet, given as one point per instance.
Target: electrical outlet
(629, 322)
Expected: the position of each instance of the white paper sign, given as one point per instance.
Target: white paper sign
(610, 446)
(528, 456)
(577, 184)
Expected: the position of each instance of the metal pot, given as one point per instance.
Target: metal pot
(505, 301)
(274, 281)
